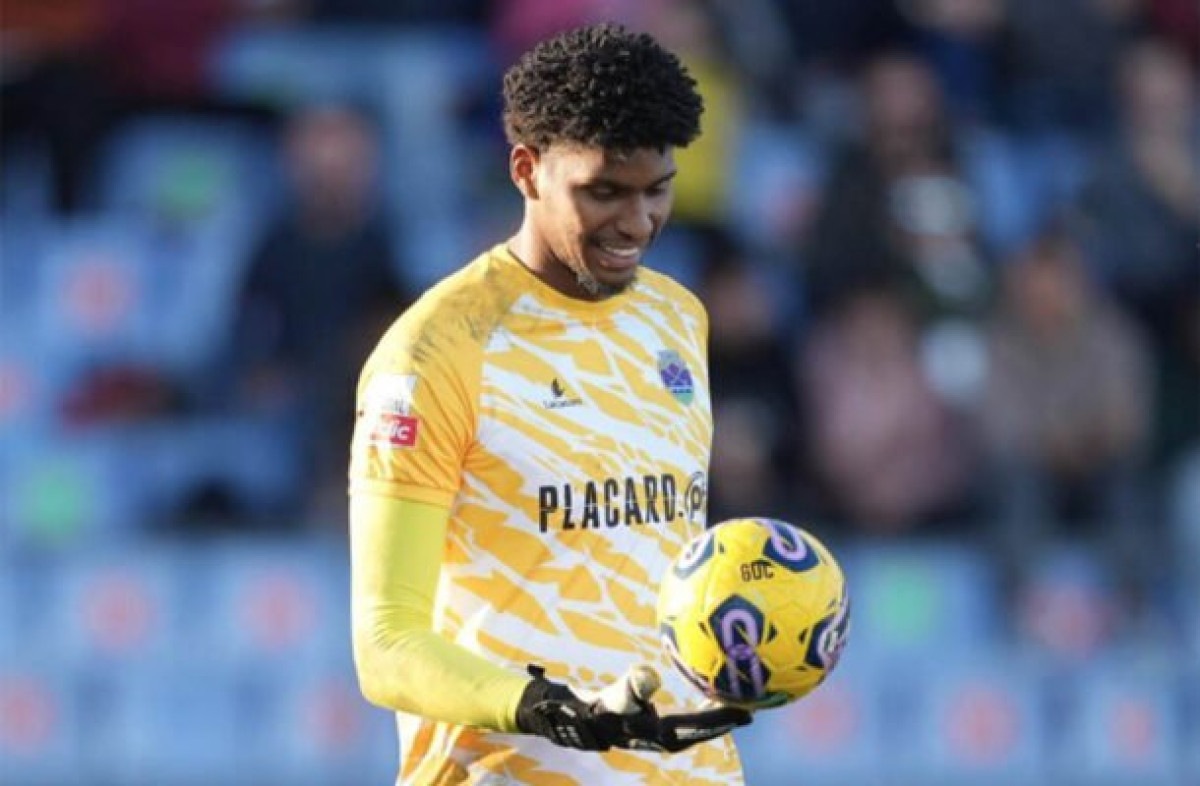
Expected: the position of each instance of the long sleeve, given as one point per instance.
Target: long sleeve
(402, 664)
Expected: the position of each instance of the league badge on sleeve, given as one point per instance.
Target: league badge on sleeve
(676, 376)
(388, 407)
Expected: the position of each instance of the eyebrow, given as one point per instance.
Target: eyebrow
(604, 181)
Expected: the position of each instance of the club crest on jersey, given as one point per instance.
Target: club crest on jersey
(676, 376)
(388, 404)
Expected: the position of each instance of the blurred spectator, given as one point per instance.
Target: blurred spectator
(837, 36)
(755, 405)
(321, 288)
(898, 205)
(1140, 219)
(1066, 411)
(887, 454)
(702, 185)
(53, 90)
(1178, 20)
(1060, 58)
(961, 39)
(702, 182)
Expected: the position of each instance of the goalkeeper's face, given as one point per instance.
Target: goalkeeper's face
(595, 212)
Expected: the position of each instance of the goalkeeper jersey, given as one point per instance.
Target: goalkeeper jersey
(570, 441)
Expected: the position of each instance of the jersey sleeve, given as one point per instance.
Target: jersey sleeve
(402, 664)
(416, 411)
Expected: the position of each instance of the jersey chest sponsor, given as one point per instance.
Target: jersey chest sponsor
(609, 503)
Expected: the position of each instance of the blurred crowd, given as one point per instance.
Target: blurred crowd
(949, 247)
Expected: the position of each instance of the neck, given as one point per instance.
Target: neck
(535, 254)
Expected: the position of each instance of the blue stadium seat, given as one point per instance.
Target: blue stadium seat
(168, 724)
(33, 378)
(204, 188)
(43, 722)
(60, 490)
(835, 735)
(289, 67)
(121, 608)
(1125, 724)
(775, 183)
(22, 243)
(1005, 190)
(98, 295)
(916, 601)
(1190, 721)
(271, 601)
(1068, 604)
(185, 171)
(313, 728)
(979, 720)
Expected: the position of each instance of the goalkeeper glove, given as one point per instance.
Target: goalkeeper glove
(620, 716)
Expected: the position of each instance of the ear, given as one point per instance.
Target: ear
(523, 162)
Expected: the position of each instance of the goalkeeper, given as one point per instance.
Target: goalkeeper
(530, 452)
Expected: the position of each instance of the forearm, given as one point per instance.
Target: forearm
(402, 664)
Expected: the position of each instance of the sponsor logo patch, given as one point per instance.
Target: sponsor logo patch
(398, 431)
(388, 405)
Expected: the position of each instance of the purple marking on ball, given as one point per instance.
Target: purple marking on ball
(738, 629)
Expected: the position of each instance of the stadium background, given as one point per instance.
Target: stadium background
(930, 233)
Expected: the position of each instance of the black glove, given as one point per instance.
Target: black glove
(647, 730)
(555, 712)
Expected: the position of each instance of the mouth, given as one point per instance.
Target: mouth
(619, 257)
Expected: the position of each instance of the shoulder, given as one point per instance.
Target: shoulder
(664, 291)
(452, 320)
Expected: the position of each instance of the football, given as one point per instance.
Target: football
(754, 612)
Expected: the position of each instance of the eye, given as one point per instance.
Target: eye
(602, 193)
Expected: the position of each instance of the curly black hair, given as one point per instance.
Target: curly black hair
(601, 85)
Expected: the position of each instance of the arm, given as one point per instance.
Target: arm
(396, 553)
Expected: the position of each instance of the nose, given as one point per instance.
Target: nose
(637, 220)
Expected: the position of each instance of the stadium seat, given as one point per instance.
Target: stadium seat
(97, 296)
(832, 736)
(1190, 720)
(1124, 724)
(290, 67)
(775, 184)
(274, 600)
(1068, 604)
(43, 724)
(168, 724)
(975, 719)
(187, 171)
(204, 188)
(315, 729)
(60, 490)
(119, 608)
(914, 601)
(22, 241)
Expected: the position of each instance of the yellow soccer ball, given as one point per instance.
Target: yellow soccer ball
(754, 612)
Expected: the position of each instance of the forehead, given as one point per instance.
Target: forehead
(585, 162)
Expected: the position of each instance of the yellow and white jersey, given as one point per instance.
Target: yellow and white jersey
(571, 441)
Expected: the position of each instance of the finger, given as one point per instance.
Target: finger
(629, 694)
